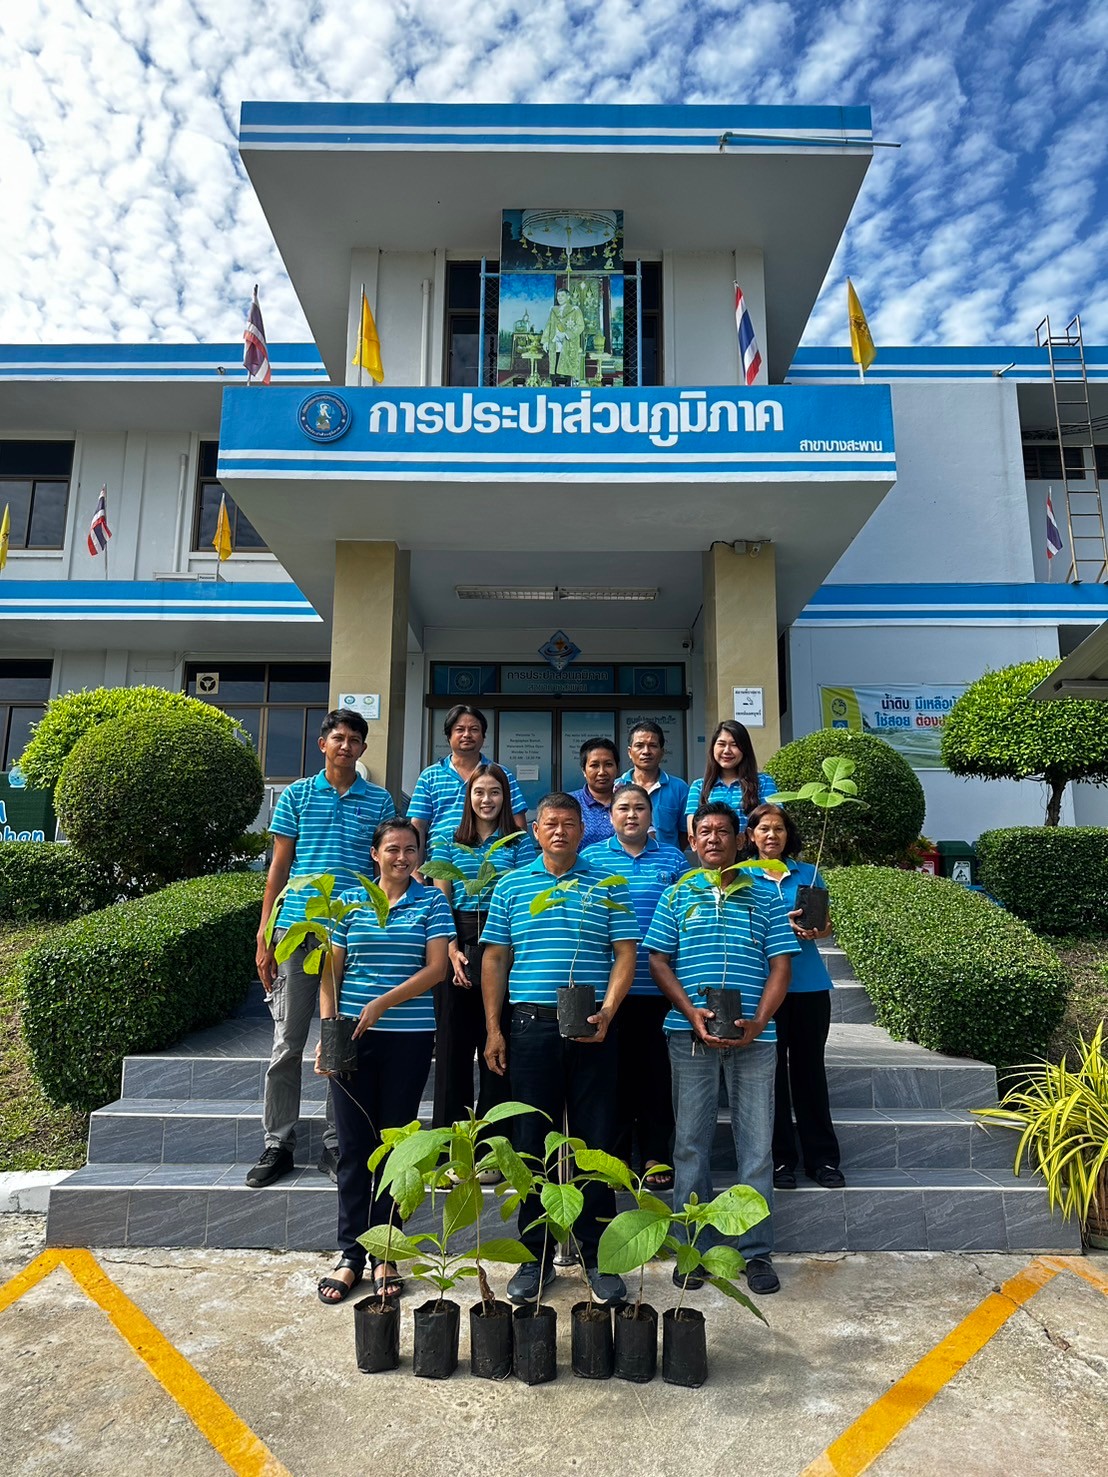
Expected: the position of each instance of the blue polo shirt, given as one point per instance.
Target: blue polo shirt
(667, 802)
(755, 928)
(333, 833)
(469, 859)
(809, 970)
(648, 875)
(731, 795)
(439, 797)
(378, 959)
(597, 818)
(543, 946)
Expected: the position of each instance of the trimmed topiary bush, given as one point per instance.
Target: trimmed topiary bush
(41, 881)
(69, 717)
(1056, 879)
(947, 968)
(135, 978)
(891, 815)
(159, 797)
(998, 731)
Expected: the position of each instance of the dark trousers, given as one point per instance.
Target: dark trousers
(803, 1021)
(564, 1078)
(384, 1093)
(460, 1035)
(645, 1095)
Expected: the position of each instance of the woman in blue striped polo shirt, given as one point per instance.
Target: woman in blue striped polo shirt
(731, 775)
(383, 977)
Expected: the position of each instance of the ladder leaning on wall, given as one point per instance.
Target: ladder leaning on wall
(1073, 421)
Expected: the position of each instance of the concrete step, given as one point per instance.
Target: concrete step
(879, 1210)
(851, 1005)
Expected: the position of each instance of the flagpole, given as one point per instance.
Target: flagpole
(361, 324)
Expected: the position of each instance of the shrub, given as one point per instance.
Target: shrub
(68, 718)
(159, 797)
(135, 978)
(1055, 879)
(891, 816)
(45, 880)
(947, 968)
(997, 731)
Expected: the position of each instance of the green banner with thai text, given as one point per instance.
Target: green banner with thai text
(909, 717)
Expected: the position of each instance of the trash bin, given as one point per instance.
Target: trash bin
(958, 861)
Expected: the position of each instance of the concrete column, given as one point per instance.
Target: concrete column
(740, 638)
(369, 644)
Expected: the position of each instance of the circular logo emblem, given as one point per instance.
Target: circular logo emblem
(649, 682)
(838, 707)
(463, 682)
(324, 417)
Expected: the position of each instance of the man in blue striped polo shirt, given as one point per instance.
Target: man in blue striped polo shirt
(438, 799)
(322, 824)
(742, 943)
(529, 956)
(646, 745)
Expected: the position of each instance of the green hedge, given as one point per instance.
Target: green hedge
(1054, 878)
(41, 881)
(135, 978)
(947, 968)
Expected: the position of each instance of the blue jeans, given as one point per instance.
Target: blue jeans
(747, 1073)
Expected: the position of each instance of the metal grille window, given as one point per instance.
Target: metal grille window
(1042, 463)
(34, 485)
(245, 538)
(280, 704)
(24, 690)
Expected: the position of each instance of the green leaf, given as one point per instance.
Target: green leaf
(723, 1261)
(509, 840)
(511, 1166)
(630, 1240)
(313, 961)
(409, 1190)
(504, 1249)
(733, 1212)
(421, 1150)
(688, 1258)
(543, 901)
(443, 872)
(562, 1204)
(730, 1290)
(499, 1111)
(388, 1244)
(462, 1208)
(607, 1166)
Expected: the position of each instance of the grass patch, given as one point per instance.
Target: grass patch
(1087, 960)
(33, 1133)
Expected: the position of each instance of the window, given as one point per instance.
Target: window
(1041, 462)
(34, 483)
(209, 490)
(463, 321)
(281, 706)
(24, 690)
(642, 299)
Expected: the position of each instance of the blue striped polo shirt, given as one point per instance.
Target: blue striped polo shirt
(755, 928)
(333, 832)
(667, 806)
(809, 970)
(543, 946)
(379, 959)
(439, 797)
(648, 875)
(469, 859)
(731, 794)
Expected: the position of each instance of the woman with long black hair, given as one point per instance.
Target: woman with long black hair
(731, 774)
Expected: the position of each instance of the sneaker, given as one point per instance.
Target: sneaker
(273, 1164)
(693, 1282)
(606, 1287)
(784, 1178)
(524, 1286)
(760, 1276)
(329, 1164)
(830, 1176)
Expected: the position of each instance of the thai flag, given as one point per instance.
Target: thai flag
(1053, 537)
(99, 533)
(255, 354)
(748, 344)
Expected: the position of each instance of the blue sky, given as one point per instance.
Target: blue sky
(128, 216)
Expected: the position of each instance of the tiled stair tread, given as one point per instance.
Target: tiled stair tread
(862, 1045)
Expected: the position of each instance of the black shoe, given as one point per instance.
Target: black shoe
(274, 1163)
(784, 1178)
(524, 1286)
(760, 1276)
(693, 1282)
(329, 1164)
(607, 1288)
(830, 1176)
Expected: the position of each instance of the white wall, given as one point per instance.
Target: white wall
(698, 314)
(394, 287)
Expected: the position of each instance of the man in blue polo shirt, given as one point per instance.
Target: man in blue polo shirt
(438, 799)
(530, 956)
(743, 943)
(646, 746)
(322, 824)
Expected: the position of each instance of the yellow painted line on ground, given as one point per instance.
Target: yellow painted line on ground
(1080, 1267)
(246, 1454)
(876, 1428)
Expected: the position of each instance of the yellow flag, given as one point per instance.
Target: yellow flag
(861, 344)
(369, 345)
(222, 541)
(5, 535)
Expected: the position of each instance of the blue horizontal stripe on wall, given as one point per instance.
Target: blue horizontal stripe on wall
(938, 362)
(970, 605)
(153, 599)
(152, 362)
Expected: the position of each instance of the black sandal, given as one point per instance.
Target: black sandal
(390, 1286)
(333, 1284)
